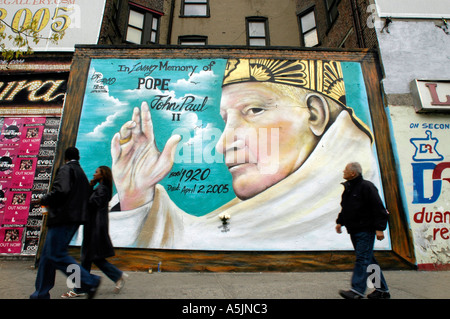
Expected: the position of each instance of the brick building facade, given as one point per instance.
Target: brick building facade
(343, 27)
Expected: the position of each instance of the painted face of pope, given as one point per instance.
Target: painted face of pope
(270, 131)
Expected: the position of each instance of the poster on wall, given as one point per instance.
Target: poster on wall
(78, 19)
(227, 154)
(11, 240)
(423, 152)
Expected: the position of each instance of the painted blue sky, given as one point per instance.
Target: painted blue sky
(107, 108)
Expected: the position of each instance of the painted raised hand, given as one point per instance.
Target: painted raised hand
(137, 164)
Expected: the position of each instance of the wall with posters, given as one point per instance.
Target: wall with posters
(30, 111)
(250, 169)
(27, 148)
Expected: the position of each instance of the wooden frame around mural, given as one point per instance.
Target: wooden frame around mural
(400, 257)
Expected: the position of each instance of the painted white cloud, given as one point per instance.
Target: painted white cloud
(98, 132)
(199, 130)
(113, 108)
(198, 81)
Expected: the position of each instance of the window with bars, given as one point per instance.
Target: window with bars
(308, 28)
(195, 8)
(257, 34)
(142, 27)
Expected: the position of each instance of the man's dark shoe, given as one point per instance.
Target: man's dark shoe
(348, 294)
(376, 294)
(93, 290)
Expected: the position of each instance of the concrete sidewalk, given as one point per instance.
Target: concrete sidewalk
(17, 282)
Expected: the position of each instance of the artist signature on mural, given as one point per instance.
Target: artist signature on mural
(100, 82)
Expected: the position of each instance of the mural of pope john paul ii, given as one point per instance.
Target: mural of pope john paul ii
(287, 134)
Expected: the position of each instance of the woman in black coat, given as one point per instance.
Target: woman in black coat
(97, 245)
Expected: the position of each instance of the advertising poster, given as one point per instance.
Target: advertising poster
(31, 136)
(23, 175)
(10, 240)
(32, 233)
(8, 157)
(424, 156)
(17, 206)
(227, 154)
(11, 131)
(78, 19)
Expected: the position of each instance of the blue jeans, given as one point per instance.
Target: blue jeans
(55, 256)
(363, 243)
(111, 271)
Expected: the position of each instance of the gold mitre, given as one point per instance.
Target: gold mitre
(324, 77)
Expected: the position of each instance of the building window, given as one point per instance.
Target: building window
(195, 8)
(193, 40)
(142, 27)
(257, 31)
(154, 30)
(332, 10)
(308, 28)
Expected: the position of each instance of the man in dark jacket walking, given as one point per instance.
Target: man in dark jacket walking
(365, 217)
(67, 206)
